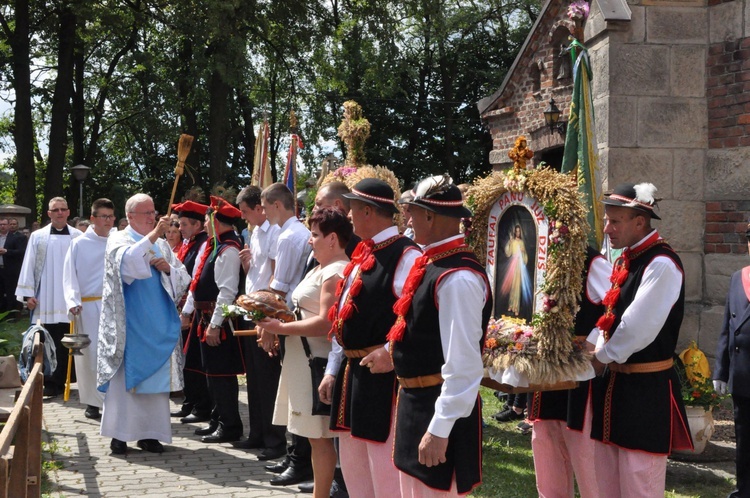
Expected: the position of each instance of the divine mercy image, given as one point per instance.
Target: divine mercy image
(514, 281)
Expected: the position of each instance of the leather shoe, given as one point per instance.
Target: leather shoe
(306, 487)
(292, 476)
(192, 418)
(150, 445)
(272, 453)
(182, 412)
(209, 429)
(92, 412)
(277, 468)
(246, 444)
(118, 447)
(221, 436)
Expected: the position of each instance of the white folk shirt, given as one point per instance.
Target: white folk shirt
(290, 256)
(227, 279)
(646, 315)
(51, 307)
(461, 296)
(335, 357)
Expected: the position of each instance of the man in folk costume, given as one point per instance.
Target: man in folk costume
(561, 434)
(40, 284)
(215, 282)
(139, 330)
(732, 369)
(436, 345)
(635, 342)
(197, 404)
(263, 370)
(83, 276)
(363, 398)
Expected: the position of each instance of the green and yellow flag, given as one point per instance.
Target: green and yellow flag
(580, 156)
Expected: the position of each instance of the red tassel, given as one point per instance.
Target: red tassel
(347, 271)
(368, 264)
(401, 307)
(620, 276)
(332, 313)
(605, 322)
(334, 327)
(346, 312)
(611, 297)
(397, 331)
(356, 287)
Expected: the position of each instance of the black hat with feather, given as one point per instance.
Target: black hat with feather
(641, 197)
(439, 195)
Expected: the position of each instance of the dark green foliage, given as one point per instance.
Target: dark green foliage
(144, 71)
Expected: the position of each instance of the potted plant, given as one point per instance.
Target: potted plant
(698, 395)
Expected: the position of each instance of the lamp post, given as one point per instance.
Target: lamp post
(80, 173)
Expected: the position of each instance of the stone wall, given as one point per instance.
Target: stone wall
(650, 100)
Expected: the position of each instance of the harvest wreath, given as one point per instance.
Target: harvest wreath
(543, 351)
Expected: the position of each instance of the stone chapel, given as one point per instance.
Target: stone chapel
(671, 92)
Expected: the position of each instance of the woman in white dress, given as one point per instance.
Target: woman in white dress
(330, 230)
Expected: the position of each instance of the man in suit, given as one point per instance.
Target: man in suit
(5, 290)
(732, 369)
(15, 247)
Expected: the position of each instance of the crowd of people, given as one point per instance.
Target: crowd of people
(376, 381)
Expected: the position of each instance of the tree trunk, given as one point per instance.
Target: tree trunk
(58, 136)
(248, 135)
(185, 84)
(218, 118)
(23, 126)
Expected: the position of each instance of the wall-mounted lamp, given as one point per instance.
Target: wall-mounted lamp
(552, 118)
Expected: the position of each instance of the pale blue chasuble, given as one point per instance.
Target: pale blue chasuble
(153, 328)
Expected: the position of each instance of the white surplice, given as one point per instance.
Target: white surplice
(83, 274)
(48, 290)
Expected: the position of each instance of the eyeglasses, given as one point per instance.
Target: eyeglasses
(59, 210)
(147, 213)
(105, 216)
(175, 224)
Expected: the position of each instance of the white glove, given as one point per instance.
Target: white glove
(720, 387)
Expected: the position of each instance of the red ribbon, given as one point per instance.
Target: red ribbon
(416, 274)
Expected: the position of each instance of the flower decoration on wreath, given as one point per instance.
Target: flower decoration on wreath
(545, 350)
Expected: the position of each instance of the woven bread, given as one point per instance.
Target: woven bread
(267, 302)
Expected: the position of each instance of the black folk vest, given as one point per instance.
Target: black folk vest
(663, 347)
(420, 352)
(373, 315)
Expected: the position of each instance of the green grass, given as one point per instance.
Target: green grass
(508, 467)
(11, 334)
